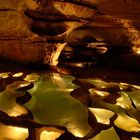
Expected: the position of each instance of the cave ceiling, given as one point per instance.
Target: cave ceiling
(115, 23)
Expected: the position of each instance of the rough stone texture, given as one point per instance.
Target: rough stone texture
(26, 24)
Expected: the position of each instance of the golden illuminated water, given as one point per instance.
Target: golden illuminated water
(80, 104)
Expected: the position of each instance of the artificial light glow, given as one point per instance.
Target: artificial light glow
(133, 33)
(80, 65)
(55, 55)
(46, 135)
(56, 76)
(127, 123)
(124, 101)
(24, 85)
(13, 133)
(18, 74)
(58, 80)
(100, 46)
(69, 90)
(102, 115)
(102, 94)
(17, 111)
(103, 49)
(31, 4)
(78, 134)
(96, 44)
(79, 130)
(74, 129)
(136, 86)
(4, 74)
(18, 85)
(32, 77)
(124, 84)
(136, 50)
(134, 138)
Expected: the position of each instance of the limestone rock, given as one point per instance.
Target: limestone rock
(28, 26)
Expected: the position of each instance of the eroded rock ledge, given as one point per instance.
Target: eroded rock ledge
(31, 31)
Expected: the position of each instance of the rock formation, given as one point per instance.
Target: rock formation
(37, 31)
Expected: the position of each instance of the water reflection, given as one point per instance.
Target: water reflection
(51, 104)
(89, 108)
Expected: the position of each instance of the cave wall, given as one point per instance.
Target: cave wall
(116, 23)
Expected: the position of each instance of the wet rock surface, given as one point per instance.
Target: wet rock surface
(87, 96)
(51, 105)
(89, 28)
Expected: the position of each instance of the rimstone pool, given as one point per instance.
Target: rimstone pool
(69, 70)
(91, 104)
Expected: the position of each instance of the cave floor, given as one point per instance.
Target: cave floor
(68, 103)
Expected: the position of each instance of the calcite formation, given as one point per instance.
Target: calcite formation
(37, 31)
